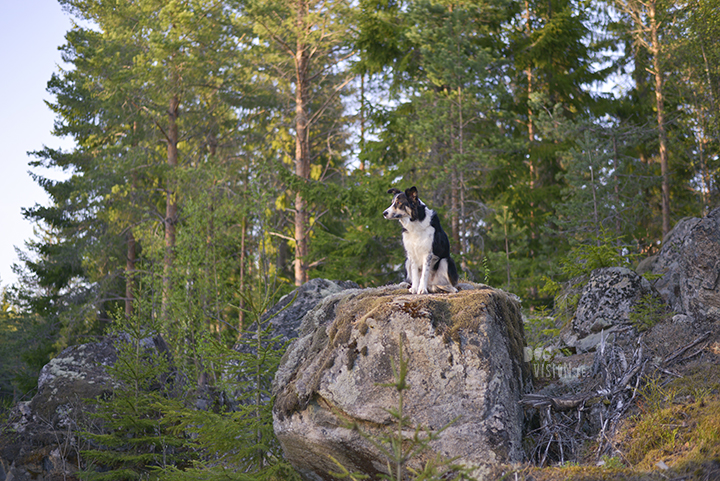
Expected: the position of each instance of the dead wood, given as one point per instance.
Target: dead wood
(617, 379)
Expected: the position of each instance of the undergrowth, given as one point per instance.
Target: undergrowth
(649, 311)
(678, 423)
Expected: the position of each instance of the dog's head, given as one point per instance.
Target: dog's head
(404, 204)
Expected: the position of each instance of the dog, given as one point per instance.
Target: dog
(429, 266)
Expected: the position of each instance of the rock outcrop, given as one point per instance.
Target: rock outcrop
(465, 363)
(40, 439)
(287, 314)
(604, 306)
(689, 263)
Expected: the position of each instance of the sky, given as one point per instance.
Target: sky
(30, 33)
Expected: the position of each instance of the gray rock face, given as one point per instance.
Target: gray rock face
(465, 361)
(287, 322)
(605, 303)
(667, 262)
(76, 374)
(608, 298)
(689, 262)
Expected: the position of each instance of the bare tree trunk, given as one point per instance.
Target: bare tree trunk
(362, 118)
(456, 186)
(241, 314)
(302, 150)
(531, 133)
(507, 255)
(528, 72)
(660, 107)
(703, 140)
(616, 166)
(705, 175)
(130, 274)
(171, 207)
(463, 226)
(595, 211)
(711, 88)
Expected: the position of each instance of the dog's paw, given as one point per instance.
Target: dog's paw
(422, 291)
(404, 285)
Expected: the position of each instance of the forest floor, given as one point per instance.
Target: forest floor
(671, 431)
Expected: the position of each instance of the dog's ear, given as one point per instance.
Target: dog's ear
(394, 191)
(412, 194)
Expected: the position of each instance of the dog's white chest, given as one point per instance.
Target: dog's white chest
(418, 240)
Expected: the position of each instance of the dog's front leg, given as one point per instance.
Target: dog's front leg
(423, 287)
(413, 275)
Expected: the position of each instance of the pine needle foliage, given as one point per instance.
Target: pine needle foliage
(134, 436)
(236, 441)
(648, 311)
(602, 250)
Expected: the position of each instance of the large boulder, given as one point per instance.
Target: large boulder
(605, 305)
(689, 263)
(465, 363)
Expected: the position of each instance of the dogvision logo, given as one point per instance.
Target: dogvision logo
(543, 365)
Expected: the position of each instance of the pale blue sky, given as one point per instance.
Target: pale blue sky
(30, 33)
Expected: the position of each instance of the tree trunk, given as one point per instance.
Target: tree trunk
(302, 150)
(616, 167)
(704, 138)
(241, 313)
(455, 210)
(454, 223)
(130, 274)
(362, 119)
(171, 207)
(531, 133)
(507, 255)
(660, 106)
(456, 186)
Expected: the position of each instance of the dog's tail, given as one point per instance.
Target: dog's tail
(452, 272)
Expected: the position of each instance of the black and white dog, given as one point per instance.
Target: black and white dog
(429, 266)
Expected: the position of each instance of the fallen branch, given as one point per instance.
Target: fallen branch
(675, 355)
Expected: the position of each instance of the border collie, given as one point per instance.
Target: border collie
(429, 266)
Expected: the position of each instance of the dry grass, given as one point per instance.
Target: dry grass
(678, 424)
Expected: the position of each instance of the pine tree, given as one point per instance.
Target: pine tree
(647, 18)
(133, 437)
(442, 59)
(307, 44)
